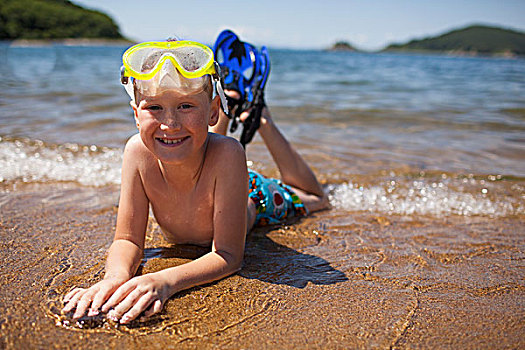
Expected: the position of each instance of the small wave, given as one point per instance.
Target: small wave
(465, 197)
(24, 160)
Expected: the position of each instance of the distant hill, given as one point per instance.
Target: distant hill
(473, 40)
(53, 19)
(342, 46)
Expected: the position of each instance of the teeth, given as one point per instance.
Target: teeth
(171, 142)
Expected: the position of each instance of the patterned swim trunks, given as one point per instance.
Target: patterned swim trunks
(274, 201)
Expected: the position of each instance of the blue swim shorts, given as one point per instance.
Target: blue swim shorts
(274, 201)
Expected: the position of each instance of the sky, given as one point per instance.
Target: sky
(304, 24)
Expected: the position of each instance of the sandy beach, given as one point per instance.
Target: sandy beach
(424, 246)
(329, 281)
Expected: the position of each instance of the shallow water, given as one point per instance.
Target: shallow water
(423, 159)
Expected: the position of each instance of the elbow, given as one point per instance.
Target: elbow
(233, 261)
(236, 267)
(235, 264)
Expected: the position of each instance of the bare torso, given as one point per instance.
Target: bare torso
(184, 214)
(184, 217)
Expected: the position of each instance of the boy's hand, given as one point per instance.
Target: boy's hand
(265, 115)
(146, 293)
(92, 298)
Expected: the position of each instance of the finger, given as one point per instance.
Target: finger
(244, 115)
(155, 308)
(83, 304)
(125, 305)
(141, 305)
(72, 303)
(99, 299)
(232, 93)
(72, 293)
(118, 296)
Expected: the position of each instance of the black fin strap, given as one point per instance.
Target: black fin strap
(252, 123)
(236, 108)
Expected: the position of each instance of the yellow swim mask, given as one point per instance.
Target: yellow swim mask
(192, 59)
(156, 66)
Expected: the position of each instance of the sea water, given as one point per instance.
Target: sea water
(400, 134)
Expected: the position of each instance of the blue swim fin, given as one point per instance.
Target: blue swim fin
(246, 71)
(239, 64)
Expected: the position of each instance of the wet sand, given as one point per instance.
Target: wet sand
(333, 280)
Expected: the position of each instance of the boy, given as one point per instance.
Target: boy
(195, 181)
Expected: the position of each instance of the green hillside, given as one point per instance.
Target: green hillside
(53, 19)
(477, 39)
(342, 46)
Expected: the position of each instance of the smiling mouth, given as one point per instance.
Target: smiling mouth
(167, 141)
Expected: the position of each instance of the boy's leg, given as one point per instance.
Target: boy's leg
(294, 170)
(222, 125)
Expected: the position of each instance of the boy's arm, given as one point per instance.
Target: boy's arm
(125, 253)
(148, 293)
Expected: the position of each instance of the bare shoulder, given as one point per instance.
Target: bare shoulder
(134, 144)
(225, 152)
(135, 151)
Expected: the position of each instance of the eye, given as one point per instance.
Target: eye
(185, 106)
(153, 108)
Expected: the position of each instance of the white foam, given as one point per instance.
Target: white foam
(34, 161)
(29, 161)
(424, 197)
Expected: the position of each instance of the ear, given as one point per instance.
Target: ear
(215, 110)
(135, 111)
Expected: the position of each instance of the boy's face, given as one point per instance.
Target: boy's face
(174, 125)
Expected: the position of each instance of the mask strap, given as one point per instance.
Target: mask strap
(222, 97)
(127, 82)
(217, 79)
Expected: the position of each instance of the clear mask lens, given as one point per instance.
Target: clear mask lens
(168, 78)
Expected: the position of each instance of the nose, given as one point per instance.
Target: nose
(170, 122)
